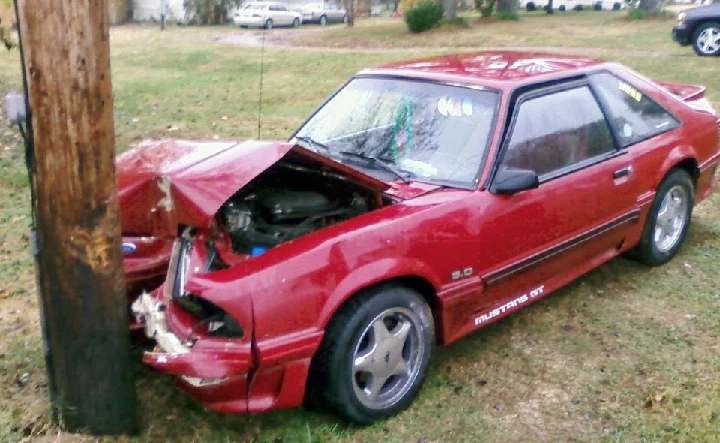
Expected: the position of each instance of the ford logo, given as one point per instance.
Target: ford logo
(128, 248)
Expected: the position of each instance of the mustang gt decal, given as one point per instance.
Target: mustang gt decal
(509, 305)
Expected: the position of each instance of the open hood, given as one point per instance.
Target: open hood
(170, 183)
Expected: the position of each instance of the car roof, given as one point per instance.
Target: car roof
(497, 69)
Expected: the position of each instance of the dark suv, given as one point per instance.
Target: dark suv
(699, 27)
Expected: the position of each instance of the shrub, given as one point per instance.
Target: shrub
(423, 16)
(578, 7)
(637, 14)
(597, 6)
(530, 6)
(562, 8)
(616, 6)
(486, 7)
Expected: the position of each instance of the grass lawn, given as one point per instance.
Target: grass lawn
(626, 353)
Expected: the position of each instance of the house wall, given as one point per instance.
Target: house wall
(147, 10)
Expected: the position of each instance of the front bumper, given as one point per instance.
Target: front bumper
(223, 374)
(681, 34)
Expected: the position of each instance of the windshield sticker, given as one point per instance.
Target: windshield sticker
(442, 106)
(448, 107)
(629, 90)
(467, 107)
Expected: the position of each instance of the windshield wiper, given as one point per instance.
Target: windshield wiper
(311, 143)
(385, 164)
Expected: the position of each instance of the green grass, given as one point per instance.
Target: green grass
(626, 353)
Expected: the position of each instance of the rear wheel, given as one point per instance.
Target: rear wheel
(706, 39)
(667, 221)
(375, 354)
(323, 20)
(296, 23)
(269, 24)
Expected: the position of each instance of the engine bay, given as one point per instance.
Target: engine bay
(288, 201)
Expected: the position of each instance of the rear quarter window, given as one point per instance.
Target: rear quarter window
(633, 115)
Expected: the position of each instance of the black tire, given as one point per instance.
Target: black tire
(562, 8)
(578, 7)
(323, 20)
(269, 24)
(616, 6)
(530, 6)
(341, 388)
(597, 6)
(647, 250)
(703, 30)
(296, 23)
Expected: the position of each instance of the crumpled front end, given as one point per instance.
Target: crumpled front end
(211, 352)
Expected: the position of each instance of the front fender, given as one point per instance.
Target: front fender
(372, 273)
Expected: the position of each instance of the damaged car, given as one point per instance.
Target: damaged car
(421, 202)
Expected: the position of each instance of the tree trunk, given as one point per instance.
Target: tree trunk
(653, 6)
(507, 6)
(550, 9)
(450, 9)
(65, 45)
(349, 6)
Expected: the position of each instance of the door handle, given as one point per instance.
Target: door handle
(624, 172)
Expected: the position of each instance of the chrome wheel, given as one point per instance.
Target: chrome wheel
(671, 219)
(708, 41)
(387, 358)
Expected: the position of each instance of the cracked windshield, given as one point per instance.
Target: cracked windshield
(401, 129)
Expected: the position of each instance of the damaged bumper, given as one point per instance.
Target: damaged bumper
(222, 374)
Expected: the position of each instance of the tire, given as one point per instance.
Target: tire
(269, 24)
(658, 244)
(616, 6)
(296, 23)
(562, 8)
(345, 19)
(530, 6)
(350, 363)
(323, 20)
(706, 39)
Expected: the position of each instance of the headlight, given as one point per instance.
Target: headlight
(681, 18)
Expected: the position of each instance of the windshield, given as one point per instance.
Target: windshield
(432, 132)
(253, 7)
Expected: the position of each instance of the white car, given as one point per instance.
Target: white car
(322, 13)
(266, 15)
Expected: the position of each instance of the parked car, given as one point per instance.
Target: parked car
(699, 27)
(266, 15)
(322, 13)
(421, 202)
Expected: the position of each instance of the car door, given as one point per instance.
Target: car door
(287, 16)
(579, 213)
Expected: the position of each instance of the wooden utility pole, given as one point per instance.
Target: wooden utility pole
(66, 49)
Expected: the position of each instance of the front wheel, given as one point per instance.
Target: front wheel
(706, 39)
(375, 354)
(296, 23)
(269, 24)
(323, 20)
(667, 221)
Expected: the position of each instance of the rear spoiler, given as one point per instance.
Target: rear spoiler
(692, 95)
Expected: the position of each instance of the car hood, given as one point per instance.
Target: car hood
(170, 183)
(703, 10)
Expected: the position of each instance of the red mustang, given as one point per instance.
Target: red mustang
(422, 201)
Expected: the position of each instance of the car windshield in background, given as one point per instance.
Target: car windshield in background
(428, 131)
(254, 7)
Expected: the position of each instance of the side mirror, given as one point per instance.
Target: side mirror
(512, 180)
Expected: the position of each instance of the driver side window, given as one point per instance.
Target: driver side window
(557, 131)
